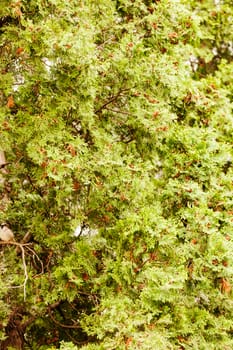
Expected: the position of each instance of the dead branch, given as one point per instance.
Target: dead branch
(22, 247)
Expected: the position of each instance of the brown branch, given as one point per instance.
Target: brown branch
(54, 305)
(72, 326)
(14, 243)
(41, 263)
(74, 340)
(114, 98)
(28, 322)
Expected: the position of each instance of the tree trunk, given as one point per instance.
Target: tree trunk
(15, 336)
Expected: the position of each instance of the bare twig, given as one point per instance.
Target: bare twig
(41, 263)
(25, 272)
(22, 247)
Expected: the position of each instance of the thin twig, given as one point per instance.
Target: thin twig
(114, 98)
(25, 273)
(21, 246)
(41, 263)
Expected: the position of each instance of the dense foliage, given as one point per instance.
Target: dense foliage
(116, 122)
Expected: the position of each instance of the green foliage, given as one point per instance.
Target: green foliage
(116, 120)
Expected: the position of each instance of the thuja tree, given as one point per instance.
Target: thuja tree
(116, 124)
